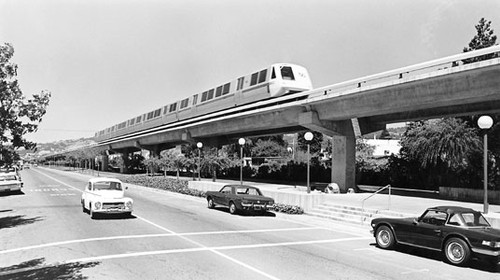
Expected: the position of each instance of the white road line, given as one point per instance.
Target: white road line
(54, 244)
(59, 181)
(218, 248)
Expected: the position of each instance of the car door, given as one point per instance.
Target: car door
(221, 197)
(429, 229)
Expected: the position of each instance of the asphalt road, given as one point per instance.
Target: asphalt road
(45, 235)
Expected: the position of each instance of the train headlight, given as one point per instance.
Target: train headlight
(97, 205)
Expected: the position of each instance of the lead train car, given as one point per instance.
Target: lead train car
(276, 80)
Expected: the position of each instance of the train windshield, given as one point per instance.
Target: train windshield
(287, 73)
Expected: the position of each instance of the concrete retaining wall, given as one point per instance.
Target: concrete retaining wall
(473, 195)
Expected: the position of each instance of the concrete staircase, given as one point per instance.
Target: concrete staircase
(351, 214)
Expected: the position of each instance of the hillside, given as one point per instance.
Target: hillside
(55, 147)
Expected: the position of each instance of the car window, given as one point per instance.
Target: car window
(226, 190)
(8, 177)
(474, 220)
(89, 186)
(107, 186)
(434, 217)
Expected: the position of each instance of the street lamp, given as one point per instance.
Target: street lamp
(485, 122)
(199, 145)
(241, 141)
(308, 136)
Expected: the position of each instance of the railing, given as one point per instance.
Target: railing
(373, 194)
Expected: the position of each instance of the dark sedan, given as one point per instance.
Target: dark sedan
(240, 197)
(458, 232)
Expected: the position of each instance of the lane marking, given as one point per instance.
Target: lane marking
(54, 244)
(218, 248)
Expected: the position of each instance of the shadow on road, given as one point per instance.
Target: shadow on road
(12, 193)
(247, 213)
(114, 217)
(19, 220)
(36, 269)
(479, 264)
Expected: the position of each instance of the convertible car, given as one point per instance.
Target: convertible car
(458, 232)
(239, 197)
(105, 196)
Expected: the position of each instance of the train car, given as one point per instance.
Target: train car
(276, 80)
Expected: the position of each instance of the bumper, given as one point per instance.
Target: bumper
(256, 207)
(8, 188)
(486, 252)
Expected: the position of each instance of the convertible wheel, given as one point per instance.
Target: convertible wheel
(457, 251)
(232, 208)
(385, 238)
(211, 203)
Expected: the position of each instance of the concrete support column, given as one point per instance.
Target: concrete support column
(344, 162)
(126, 161)
(105, 162)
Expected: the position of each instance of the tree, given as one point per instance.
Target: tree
(18, 116)
(268, 148)
(448, 141)
(484, 38)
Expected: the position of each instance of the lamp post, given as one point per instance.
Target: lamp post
(241, 141)
(308, 136)
(485, 122)
(199, 145)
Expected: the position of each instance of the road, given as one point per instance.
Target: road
(45, 235)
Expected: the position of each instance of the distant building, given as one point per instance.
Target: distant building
(384, 147)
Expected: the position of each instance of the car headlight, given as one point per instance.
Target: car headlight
(128, 204)
(97, 205)
(493, 244)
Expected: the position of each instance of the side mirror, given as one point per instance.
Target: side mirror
(415, 221)
(126, 187)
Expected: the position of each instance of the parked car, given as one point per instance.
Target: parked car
(240, 198)
(459, 233)
(10, 182)
(105, 196)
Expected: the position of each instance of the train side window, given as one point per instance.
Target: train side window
(195, 99)
(131, 122)
(157, 113)
(218, 91)
(262, 76)
(273, 74)
(184, 103)
(138, 119)
(210, 94)
(150, 115)
(287, 73)
(240, 83)
(253, 80)
(173, 107)
(225, 90)
(204, 96)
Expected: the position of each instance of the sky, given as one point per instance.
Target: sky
(106, 61)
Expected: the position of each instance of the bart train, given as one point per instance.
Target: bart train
(276, 80)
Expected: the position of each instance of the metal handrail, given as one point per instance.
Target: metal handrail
(373, 194)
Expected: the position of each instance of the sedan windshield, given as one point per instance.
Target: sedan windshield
(246, 190)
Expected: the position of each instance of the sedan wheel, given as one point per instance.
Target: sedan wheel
(384, 237)
(211, 203)
(232, 208)
(92, 213)
(457, 251)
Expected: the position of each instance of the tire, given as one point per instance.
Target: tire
(457, 252)
(93, 214)
(83, 207)
(232, 208)
(211, 203)
(385, 237)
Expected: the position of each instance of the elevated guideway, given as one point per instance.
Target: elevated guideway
(439, 88)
